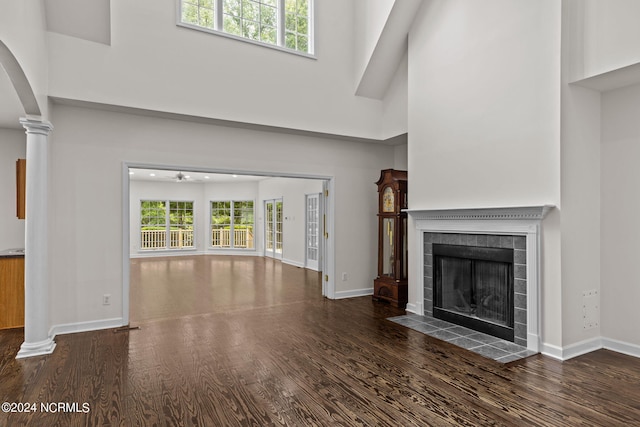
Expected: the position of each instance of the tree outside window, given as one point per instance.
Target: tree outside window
(284, 23)
(162, 228)
(232, 224)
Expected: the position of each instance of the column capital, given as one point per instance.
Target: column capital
(41, 127)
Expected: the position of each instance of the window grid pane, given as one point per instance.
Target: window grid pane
(254, 19)
(243, 224)
(232, 224)
(153, 224)
(297, 25)
(181, 224)
(221, 224)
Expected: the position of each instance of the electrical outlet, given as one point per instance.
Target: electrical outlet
(106, 299)
(344, 277)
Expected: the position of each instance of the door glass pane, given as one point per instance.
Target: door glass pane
(278, 227)
(313, 229)
(269, 226)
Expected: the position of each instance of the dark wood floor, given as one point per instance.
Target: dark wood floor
(171, 287)
(285, 356)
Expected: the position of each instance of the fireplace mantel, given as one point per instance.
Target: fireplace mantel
(502, 213)
(511, 220)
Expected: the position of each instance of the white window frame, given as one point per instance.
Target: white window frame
(218, 28)
(167, 226)
(232, 243)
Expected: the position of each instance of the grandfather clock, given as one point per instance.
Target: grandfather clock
(391, 283)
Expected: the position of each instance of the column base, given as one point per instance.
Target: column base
(36, 349)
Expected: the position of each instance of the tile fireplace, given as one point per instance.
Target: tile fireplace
(479, 268)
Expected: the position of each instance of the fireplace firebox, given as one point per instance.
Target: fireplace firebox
(474, 287)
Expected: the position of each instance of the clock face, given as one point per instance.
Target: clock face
(388, 201)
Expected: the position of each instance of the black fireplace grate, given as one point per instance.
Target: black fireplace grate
(473, 287)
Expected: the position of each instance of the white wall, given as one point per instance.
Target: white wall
(484, 117)
(396, 102)
(370, 18)
(13, 146)
(487, 109)
(620, 203)
(401, 158)
(23, 29)
(580, 208)
(153, 64)
(611, 33)
(292, 192)
(85, 251)
(580, 189)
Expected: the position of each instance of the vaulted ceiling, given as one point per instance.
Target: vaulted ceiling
(88, 20)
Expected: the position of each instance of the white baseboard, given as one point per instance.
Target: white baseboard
(93, 325)
(292, 262)
(621, 347)
(414, 308)
(156, 254)
(354, 293)
(234, 252)
(41, 348)
(551, 351)
(580, 348)
(587, 346)
(571, 351)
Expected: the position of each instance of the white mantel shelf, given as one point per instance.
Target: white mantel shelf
(502, 213)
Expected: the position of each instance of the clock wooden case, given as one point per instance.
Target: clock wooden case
(391, 283)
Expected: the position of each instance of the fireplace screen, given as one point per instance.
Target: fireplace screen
(473, 287)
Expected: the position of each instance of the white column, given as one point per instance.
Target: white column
(36, 292)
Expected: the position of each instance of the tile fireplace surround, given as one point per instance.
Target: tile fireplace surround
(484, 227)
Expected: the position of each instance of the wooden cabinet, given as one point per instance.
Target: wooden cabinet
(11, 292)
(391, 283)
(21, 188)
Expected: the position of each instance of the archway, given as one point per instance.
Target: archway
(36, 327)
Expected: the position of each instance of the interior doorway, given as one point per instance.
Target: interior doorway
(131, 233)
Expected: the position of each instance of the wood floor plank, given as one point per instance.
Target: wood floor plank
(262, 347)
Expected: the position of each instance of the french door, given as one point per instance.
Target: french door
(313, 249)
(273, 228)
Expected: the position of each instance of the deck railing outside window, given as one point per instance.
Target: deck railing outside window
(157, 239)
(242, 237)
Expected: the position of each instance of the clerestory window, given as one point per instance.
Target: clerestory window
(283, 23)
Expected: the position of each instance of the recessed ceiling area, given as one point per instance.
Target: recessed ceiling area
(180, 176)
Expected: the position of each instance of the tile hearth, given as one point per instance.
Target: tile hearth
(485, 345)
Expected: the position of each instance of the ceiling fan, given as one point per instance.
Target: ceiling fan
(180, 177)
